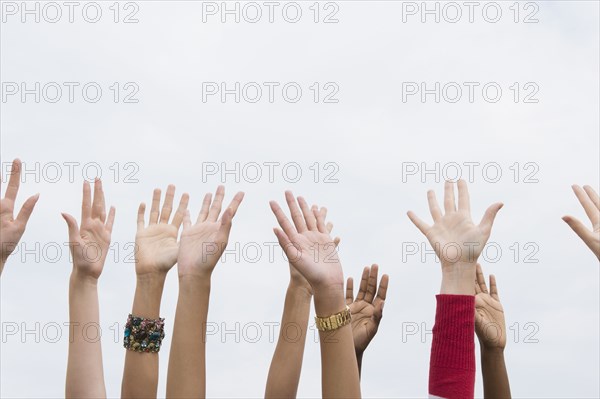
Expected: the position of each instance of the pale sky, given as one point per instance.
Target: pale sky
(362, 137)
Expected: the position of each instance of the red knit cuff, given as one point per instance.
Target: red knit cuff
(452, 364)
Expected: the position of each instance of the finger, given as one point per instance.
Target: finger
(140, 217)
(155, 207)
(225, 227)
(434, 208)
(181, 210)
(321, 227)
(110, 221)
(349, 291)
(449, 204)
(72, 225)
(309, 216)
(285, 243)
(588, 205)
(27, 209)
(167, 208)
(464, 203)
(494, 287)
(295, 212)
(372, 284)
(593, 195)
(86, 202)
(336, 241)
(364, 281)
(98, 203)
(236, 201)
(383, 286)
(579, 228)
(329, 227)
(205, 207)
(488, 218)
(215, 208)
(421, 225)
(324, 210)
(283, 221)
(187, 221)
(15, 180)
(378, 312)
(481, 280)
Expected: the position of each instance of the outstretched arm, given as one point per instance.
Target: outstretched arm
(202, 245)
(366, 309)
(490, 327)
(156, 253)
(12, 229)
(458, 242)
(85, 376)
(286, 365)
(590, 202)
(313, 253)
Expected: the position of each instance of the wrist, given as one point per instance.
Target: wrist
(299, 290)
(79, 278)
(329, 300)
(491, 349)
(458, 278)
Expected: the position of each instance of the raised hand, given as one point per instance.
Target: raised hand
(457, 241)
(13, 229)
(307, 243)
(296, 278)
(89, 243)
(156, 244)
(591, 204)
(203, 243)
(490, 325)
(367, 307)
(312, 252)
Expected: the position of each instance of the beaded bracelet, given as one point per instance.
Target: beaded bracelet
(143, 335)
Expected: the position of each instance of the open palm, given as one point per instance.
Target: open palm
(590, 202)
(490, 324)
(13, 229)
(367, 308)
(89, 243)
(307, 243)
(203, 243)
(454, 236)
(156, 244)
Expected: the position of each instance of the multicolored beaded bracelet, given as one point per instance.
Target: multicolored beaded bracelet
(143, 335)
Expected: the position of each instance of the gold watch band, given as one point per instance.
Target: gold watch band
(335, 321)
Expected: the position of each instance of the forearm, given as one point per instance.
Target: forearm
(140, 375)
(340, 378)
(2, 263)
(452, 363)
(85, 375)
(187, 360)
(284, 373)
(495, 376)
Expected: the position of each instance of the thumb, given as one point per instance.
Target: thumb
(577, 226)
(72, 225)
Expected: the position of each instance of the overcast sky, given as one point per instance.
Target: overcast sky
(350, 105)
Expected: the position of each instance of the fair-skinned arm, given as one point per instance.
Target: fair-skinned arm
(201, 247)
(156, 249)
(590, 202)
(85, 375)
(12, 229)
(490, 327)
(312, 251)
(457, 242)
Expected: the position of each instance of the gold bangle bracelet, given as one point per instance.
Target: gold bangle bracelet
(334, 321)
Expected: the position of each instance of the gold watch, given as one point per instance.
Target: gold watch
(335, 321)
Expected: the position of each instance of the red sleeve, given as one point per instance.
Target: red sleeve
(452, 363)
